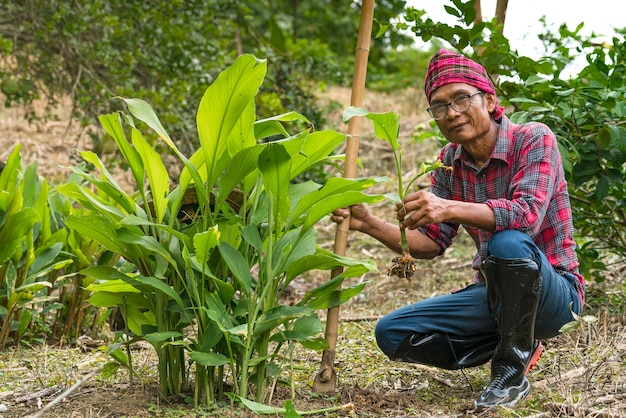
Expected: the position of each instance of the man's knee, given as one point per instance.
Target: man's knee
(385, 337)
(510, 244)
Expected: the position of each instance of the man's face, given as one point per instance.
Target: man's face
(468, 126)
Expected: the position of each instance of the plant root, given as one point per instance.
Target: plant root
(403, 267)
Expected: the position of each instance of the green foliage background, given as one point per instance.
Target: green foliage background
(169, 52)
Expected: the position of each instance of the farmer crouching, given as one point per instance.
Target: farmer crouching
(507, 189)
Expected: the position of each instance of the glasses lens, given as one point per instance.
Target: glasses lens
(437, 111)
(461, 103)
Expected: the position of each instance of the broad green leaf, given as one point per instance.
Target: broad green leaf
(204, 242)
(108, 185)
(326, 260)
(156, 172)
(112, 124)
(279, 315)
(331, 299)
(252, 236)
(332, 192)
(336, 201)
(570, 326)
(299, 244)
(275, 166)
(112, 299)
(139, 321)
(222, 105)
(110, 369)
(13, 230)
(331, 286)
(45, 256)
(8, 177)
(237, 265)
(24, 321)
(113, 286)
(145, 242)
(266, 128)
(304, 328)
(98, 228)
(242, 135)
(34, 287)
(29, 185)
(144, 112)
(89, 200)
(208, 359)
(308, 150)
(259, 408)
(159, 286)
(386, 125)
(159, 337)
(243, 163)
(137, 221)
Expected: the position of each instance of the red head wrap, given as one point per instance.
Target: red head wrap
(448, 67)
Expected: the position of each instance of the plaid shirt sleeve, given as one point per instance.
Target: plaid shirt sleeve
(442, 233)
(534, 165)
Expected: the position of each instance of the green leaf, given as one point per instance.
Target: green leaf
(13, 230)
(109, 370)
(159, 337)
(113, 125)
(331, 193)
(204, 242)
(328, 205)
(45, 256)
(331, 299)
(602, 188)
(570, 326)
(259, 408)
(279, 315)
(156, 172)
(237, 265)
(24, 321)
(308, 150)
(144, 112)
(386, 125)
(208, 359)
(222, 105)
(98, 228)
(326, 260)
(275, 166)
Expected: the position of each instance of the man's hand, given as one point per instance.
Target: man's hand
(358, 217)
(421, 208)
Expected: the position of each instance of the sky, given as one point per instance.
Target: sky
(522, 18)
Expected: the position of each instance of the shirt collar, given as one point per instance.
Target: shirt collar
(500, 151)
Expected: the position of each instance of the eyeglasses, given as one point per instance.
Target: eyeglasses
(460, 104)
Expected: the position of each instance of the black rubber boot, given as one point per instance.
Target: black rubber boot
(447, 351)
(514, 288)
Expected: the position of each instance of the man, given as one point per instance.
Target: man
(507, 189)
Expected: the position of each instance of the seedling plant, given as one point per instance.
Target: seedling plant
(387, 128)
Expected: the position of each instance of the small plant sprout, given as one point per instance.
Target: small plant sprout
(387, 128)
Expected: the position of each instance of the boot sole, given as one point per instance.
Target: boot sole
(534, 358)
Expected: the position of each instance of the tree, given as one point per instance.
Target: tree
(168, 52)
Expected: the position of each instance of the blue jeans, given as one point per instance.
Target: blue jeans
(466, 313)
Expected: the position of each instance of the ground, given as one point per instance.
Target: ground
(581, 374)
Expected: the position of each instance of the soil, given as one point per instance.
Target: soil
(581, 373)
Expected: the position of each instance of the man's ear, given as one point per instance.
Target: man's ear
(490, 102)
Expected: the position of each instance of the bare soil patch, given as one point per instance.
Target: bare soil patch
(581, 374)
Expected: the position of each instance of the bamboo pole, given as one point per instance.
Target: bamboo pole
(326, 379)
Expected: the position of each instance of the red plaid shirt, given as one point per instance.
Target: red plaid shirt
(523, 183)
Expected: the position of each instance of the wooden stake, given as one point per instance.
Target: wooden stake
(325, 381)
